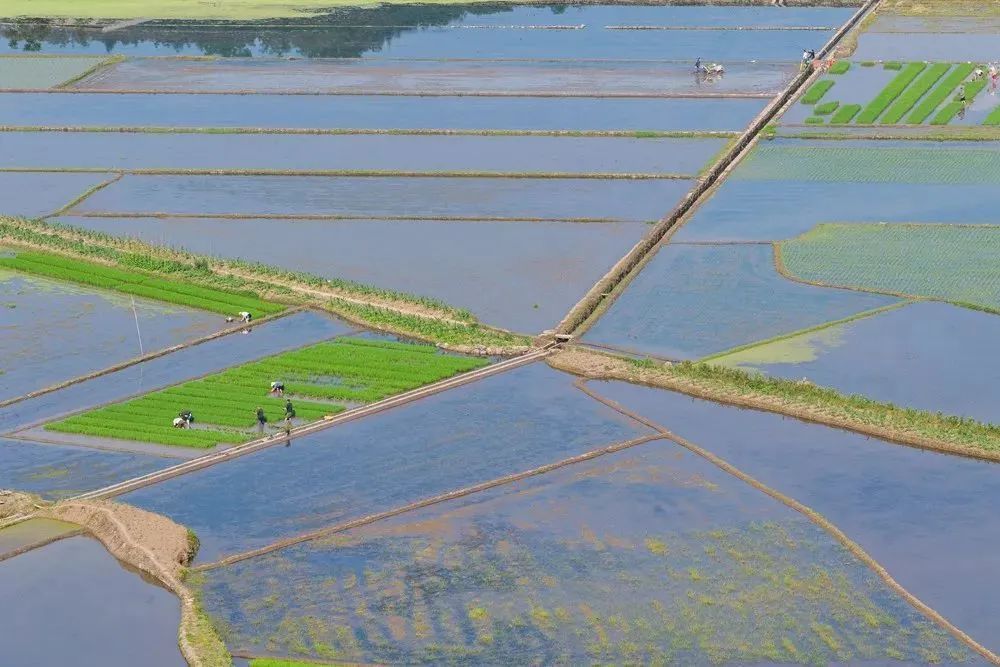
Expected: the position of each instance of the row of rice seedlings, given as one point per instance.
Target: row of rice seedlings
(136, 283)
(355, 370)
(817, 91)
(947, 113)
(913, 93)
(840, 67)
(889, 94)
(940, 93)
(845, 114)
(826, 108)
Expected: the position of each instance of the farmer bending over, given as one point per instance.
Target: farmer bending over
(278, 388)
(245, 316)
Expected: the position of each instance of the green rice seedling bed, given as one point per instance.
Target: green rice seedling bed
(893, 65)
(840, 67)
(947, 113)
(817, 91)
(826, 108)
(913, 93)
(845, 114)
(940, 93)
(136, 283)
(954, 263)
(348, 369)
(815, 120)
(895, 88)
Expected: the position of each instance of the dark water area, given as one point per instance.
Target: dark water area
(523, 276)
(52, 331)
(380, 31)
(72, 603)
(264, 339)
(361, 112)
(389, 196)
(504, 424)
(776, 210)
(33, 195)
(646, 556)
(357, 152)
(930, 519)
(931, 356)
(691, 301)
(407, 76)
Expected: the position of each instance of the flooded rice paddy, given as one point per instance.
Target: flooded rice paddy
(695, 300)
(578, 155)
(39, 73)
(72, 602)
(956, 47)
(368, 112)
(370, 197)
(38, 194)
(647, 556)
(53, 331)
(523, 276)
(932, 356)
(928, 518)
(24, 535)
(265, 339)
(494, 427)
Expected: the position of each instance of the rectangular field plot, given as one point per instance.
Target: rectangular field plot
(39, 72)
(259, 341)
(387, 111)
(775, 210)
(389, 153)
(590, 77)
(53, 331)
(321, 378)
(33, 195)
(377, 197)
(864, 162)
(859, 85)
(929, 519)
(523, 276)
(692, 301)
(55, 471)
(948, 47)
(931, 356)
(504, 424)
(648, 556)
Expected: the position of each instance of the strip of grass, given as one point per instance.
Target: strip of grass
(815, 120)
(893, 65)
(817, 91)
(281, 662)
(893, 90)
(940, 93)
(913, 93)
(993, 118)
(954, 263)
(840, 67)
(845, 114)
(826, 108)
(224, 404)
(137, 283)
(947, 113)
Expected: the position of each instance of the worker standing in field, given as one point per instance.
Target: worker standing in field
(289, 415)
(261, 420)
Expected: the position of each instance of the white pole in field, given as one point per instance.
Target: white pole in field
(138, 333)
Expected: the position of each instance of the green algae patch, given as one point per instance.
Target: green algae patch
(953, 263)
(797, 349)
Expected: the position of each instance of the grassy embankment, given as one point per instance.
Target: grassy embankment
(224, 404)
(281, 662)
(804, 400)
(952, 263)
(395, 312)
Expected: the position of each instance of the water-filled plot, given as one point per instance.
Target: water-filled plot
(72, 602)
(370, 197)
(388, 153)
(504, 424)
(931, 356)
(647, 556)
(39, 73)
(523, 276)
(691, 301)
(526, 77)
(928, 518)
(37, 194)
(53, 331)
(859, 85)
(29, 534)
(385, 111)
(55, 471)
(947, 47)
(259, 340)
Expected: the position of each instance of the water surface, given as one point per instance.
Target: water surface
(33, 195)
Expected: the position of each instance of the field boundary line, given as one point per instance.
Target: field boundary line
(818, 519)
(426, 502)
(724, 28)
(357, 173)
(606, 290)
(146, 357)
(391, 93)
(38, 544)
(104, 64)
(86, 193)
(214, 458)
(335, 216)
